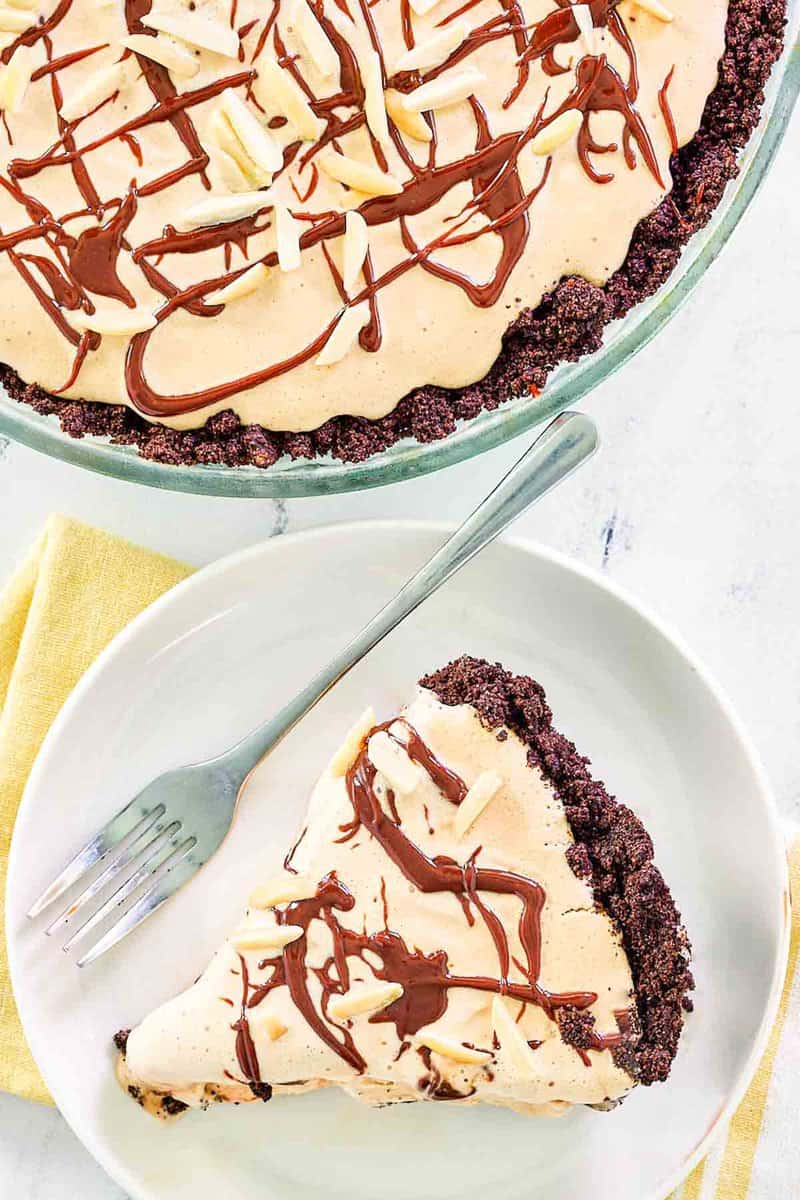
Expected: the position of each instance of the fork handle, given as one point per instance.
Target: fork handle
(567, 442)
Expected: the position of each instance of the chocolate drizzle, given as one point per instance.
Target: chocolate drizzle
(93, 256)
(64, 291)
(426, 979)
(492, 172)
(246, 1054)
(666, 111)
(451, 786)
(165, 95)
(600, 89)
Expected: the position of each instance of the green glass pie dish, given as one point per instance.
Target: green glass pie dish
(567, 385)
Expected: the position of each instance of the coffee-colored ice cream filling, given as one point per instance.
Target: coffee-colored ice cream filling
(298, 211)
(424, 943)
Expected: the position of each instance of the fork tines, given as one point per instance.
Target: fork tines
(128, 869)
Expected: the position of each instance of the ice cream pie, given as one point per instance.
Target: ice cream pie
(466, 916)
(230, 230)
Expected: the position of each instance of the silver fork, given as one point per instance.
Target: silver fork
(166, 833)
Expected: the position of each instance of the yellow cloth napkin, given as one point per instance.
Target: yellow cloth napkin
(77, 588)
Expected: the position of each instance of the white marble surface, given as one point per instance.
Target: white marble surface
(693, 503)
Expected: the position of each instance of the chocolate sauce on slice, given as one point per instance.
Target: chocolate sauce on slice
(246, 1053)
(287, 862)
(451, 786)
(425, 978)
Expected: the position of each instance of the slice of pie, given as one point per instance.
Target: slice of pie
(467, 915)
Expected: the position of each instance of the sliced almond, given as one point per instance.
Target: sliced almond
(585, 22)
(485, 787)
(450, 88)
(351, 200)
(216, 210)
(411, 123)
(284, 889)
(272, 1026)
(14, 79)
(369, 999)
(344, 757)
(421, 7)
(123, 322)
(222, 134)
(402, 775)
(434, 50)
(15, 20)
(450, 1048)
(374, 105)
(275, 88)
(246, 283)
(656, 9)
(314, 39)
(220, 131)
(259, 144)
(197, 30)
(509, 1035)
(343, 338)
(356, 245)
(225, 172)
(563, 129)
(165, 50)
(288, 233)
(268, 937)
(362, 176)
(98, 87)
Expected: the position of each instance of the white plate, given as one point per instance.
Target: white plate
(227, 647)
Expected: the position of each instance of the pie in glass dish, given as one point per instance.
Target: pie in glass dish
(233, 231)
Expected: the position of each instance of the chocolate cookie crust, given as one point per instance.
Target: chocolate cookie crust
(612, 849)
(567, 324)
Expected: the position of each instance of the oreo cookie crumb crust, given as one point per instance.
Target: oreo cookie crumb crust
(567, 324)
(612, 850)
(121, 1040)
(169, 1105)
